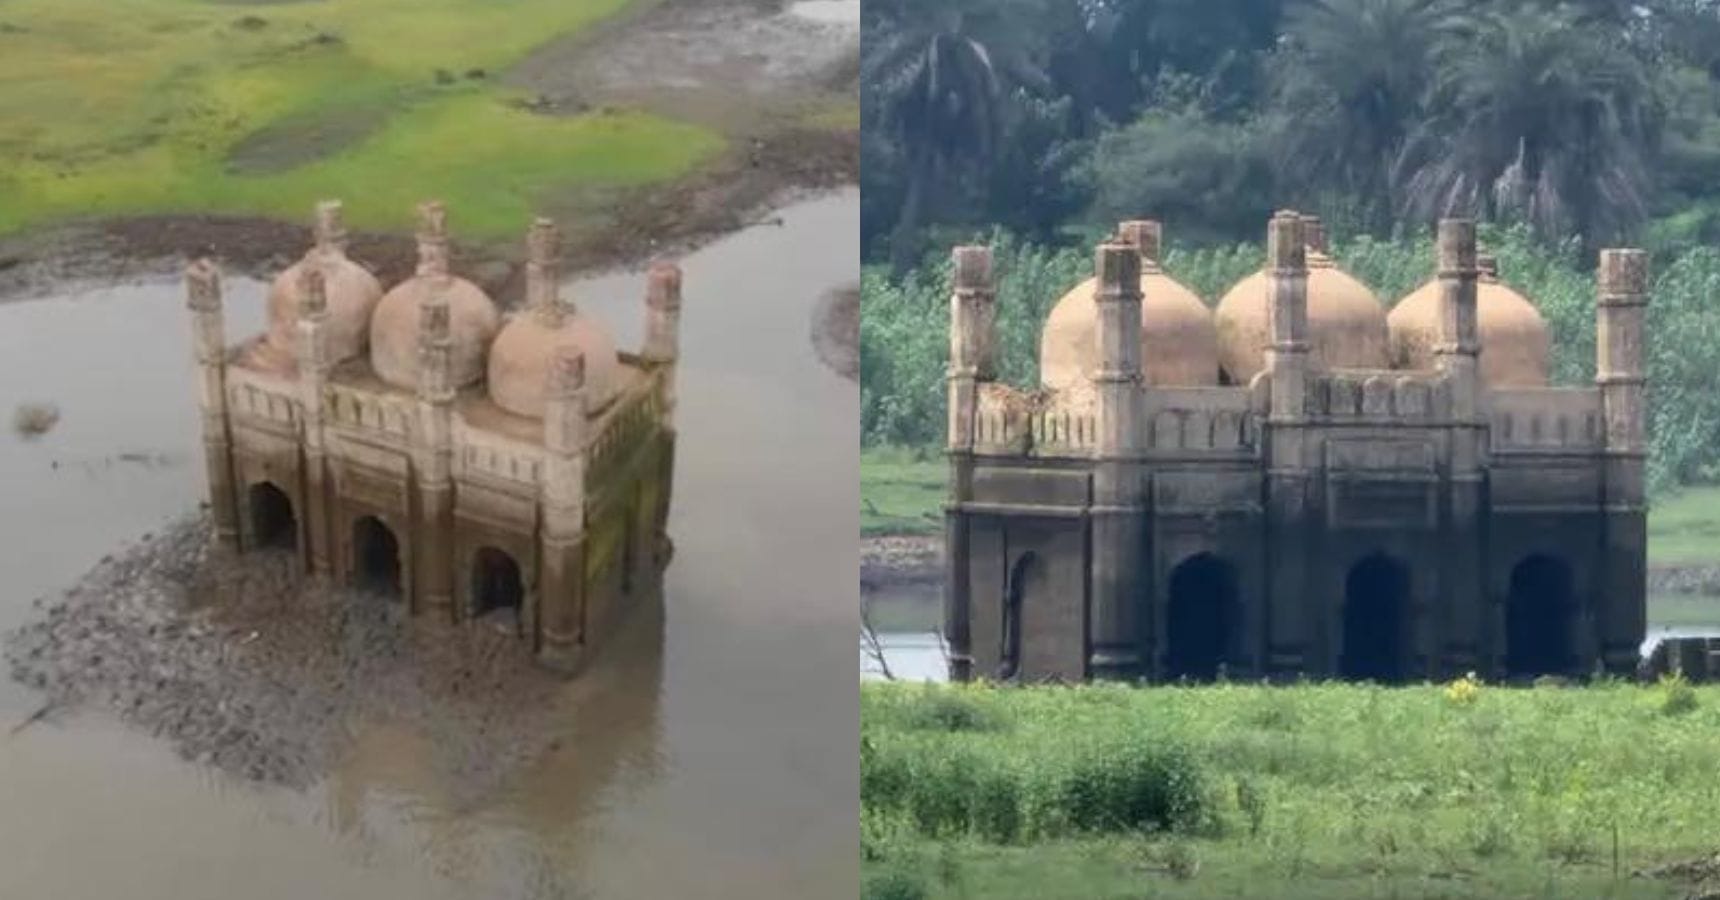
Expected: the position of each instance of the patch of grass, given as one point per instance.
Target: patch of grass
(902, 491)
(1376, 792)
(1684, 527)
(133, 106)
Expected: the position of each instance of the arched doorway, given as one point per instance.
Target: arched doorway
(1376, 620)
(375, 557)
(273, 524)
(1540, 618)
(1200, 617)
(498, 592)
(1026, 570)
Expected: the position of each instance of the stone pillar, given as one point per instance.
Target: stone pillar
(1294, 620)
(972, 312)
(330, 230)
(433, 457)
(543, 274)
(209, 343)
(314, 365)
(1113, 640)
(1619, 371)
(432, 239)
(1147, 237)
(1454, 644)
(662, 345)
(561, 579)
(1314, 235)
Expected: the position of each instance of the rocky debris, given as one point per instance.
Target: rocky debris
(246, 666)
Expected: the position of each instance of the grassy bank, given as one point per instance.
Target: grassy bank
(1329, 791)
(151, 106)
(902, 492)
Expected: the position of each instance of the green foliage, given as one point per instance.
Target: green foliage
(1371, 792)
(895, 883)
(1677, 694)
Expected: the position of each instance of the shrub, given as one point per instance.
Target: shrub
(945, 710)
(1131, 786)
(894, 883)
(1677, 695)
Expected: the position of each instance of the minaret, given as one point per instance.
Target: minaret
(543, 274)
(432, 239)
(209, 342)
(1147, 237)
(561, 585)
(1456, 352)
(1290, 614)
(314, 365)
(663, 328)
(1621, 305)
(1113, 639)
(330, 230)
(434, 454)
(972, 308)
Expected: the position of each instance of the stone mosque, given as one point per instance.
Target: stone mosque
(1295, 482)
(419, 443)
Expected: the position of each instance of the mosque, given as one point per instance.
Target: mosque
(1294, 482)
(420, 444)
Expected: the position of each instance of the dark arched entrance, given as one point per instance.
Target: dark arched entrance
(1376, 621)
(1015, 596)
(376, 557)
(1540, 615)
(272, 520)
(497, 589)
(1199, 618)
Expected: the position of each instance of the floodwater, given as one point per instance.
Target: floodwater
(840, 11)
(715, 747)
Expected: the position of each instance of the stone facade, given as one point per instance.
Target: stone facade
(1382, 523)
(431, 492)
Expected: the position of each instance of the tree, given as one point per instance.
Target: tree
(1537, 117)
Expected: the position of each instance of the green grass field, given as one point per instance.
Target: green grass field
(1318, 791)
(902, 492)
(136, 106)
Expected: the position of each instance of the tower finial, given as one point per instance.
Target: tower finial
(330, 226)
(543, 272)
(203, 285)
(432, 238)
(1147, 235)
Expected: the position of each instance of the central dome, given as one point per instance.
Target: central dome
(1515, 342)
(1346, 324)
(394, 327)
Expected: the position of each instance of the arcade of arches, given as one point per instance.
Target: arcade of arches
(1200, 618)
(496, 582)
(273, 524)
(1376, 620)
(1540, 618)
(376, 557)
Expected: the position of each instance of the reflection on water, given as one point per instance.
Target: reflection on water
(714, 749)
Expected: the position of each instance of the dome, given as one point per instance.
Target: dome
(526, 348)
(1346, 325)
(1179, 344)
(351, 290)
(472, 323)
(1515, 342)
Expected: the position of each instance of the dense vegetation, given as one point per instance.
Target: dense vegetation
(1036, 124)
(1328, 790)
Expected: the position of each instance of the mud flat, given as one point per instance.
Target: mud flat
(244, 666)
(836, 331)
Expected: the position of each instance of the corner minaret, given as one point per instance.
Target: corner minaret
(314, 365)
(1291, 639)
(1621, 305)
(562, 544)
(1456, 354)
(663, 328)
(972, 310)
(432, 239)
(209, 342)
(330, 231)
(1147, 237)
(434, 452)
(543, 274)
(1112, 640)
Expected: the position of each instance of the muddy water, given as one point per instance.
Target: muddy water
(714, 752)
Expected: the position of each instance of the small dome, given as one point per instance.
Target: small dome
(1346, 325)
(1179, 344)
(351, 290)
(1515, 342)
(526, 348)
(472, 323)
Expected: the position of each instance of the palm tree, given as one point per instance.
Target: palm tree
(1535, 116)
(1349, 83)
(938, 73)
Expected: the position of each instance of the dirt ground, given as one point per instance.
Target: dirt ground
(245, 667)
(836, 331)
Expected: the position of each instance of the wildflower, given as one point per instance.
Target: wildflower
(1463, 691)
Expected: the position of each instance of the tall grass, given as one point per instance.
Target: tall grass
(904, 333)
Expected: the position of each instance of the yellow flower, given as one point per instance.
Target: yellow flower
(1463, 691)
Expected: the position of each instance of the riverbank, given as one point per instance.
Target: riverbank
(213, 130)
(1329, 791)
